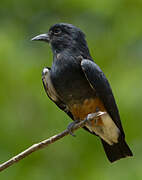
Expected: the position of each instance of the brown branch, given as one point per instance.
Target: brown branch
(46, 142)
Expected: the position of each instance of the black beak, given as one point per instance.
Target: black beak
(41, 37)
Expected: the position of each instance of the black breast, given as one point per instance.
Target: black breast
(69, 80)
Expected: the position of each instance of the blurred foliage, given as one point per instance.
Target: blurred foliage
(114, 34)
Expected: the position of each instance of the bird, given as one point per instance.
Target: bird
(77, 85)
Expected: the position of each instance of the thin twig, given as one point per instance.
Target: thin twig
(45, 143)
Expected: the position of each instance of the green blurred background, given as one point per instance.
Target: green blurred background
(114, 34)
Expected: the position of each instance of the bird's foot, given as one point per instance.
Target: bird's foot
(93, 116)
(90, 117)
(71, 126)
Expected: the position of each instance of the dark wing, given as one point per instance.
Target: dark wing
(51, 92)
(100, 84)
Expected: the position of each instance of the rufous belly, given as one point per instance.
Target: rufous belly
(103, 126)
(80, 111)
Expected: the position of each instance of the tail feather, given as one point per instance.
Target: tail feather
(117, 151)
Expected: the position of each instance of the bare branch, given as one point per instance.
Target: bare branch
(46, 142)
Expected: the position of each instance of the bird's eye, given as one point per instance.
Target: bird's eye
(57, 31)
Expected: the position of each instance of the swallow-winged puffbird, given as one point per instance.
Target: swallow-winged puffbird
(77, 85)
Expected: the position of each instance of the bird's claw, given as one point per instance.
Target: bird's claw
(95, 115)
(70, 128)
(88, 119)
(92, 116)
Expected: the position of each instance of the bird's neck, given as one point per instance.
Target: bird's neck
(73, 51)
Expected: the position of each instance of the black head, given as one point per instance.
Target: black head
(64, 36)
